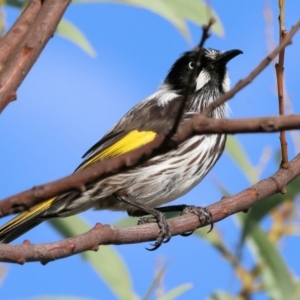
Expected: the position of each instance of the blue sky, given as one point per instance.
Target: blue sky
(69, 100)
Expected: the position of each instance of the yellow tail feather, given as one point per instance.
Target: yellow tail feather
(25, 216)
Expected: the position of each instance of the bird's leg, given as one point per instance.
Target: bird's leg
(202, 212)
(164, 234)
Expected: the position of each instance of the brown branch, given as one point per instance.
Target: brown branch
(203, 125)
(107, 234)
(17, 32)
(279, 74)
(261, 66)
(198, 125)
(38, 34)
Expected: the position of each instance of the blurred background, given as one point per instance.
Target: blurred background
(70, 99)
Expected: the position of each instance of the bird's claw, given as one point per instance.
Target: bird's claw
(164, 234)
(204, 216)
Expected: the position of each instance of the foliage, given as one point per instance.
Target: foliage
(175, 11)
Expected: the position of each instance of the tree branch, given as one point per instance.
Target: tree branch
(16, 33)
(199, 124)
(107, 234)
(26, 50)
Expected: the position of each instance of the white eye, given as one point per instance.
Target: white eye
(191, 65)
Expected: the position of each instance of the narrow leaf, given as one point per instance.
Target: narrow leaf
(14, 3)
(156, 6)
(257, 212)
(214, 238)
(276, 276)
(176, 292)
(175, 11)
(130, 221)
(197, 12)
(155, 282)
(69, 31)
(59, 298)
(220, 295)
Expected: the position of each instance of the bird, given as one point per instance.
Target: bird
(161, 179)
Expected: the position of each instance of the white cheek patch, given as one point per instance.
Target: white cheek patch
(202, 79)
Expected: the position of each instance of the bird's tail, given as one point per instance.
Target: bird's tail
(24, 222)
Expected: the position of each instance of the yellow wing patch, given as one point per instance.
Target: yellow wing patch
(133, 140)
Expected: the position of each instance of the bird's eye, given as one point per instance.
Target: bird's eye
(191, 65)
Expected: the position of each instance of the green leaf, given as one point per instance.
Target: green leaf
(129, 221)
(277, 279)
(72, 33)
(197, 12)
(175, 11)
(213, 237)
(107, 263)
(155, 282)
(156, 6)
(176, 292)
(66, 29)
(14, 3)
(220, 295)
(59, 298)
(257, 212)
(235, 150)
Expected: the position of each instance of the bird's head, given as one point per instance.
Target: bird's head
(211, 72)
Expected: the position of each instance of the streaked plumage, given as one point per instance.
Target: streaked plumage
(162, 178)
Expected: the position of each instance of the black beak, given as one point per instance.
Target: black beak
(227, 56)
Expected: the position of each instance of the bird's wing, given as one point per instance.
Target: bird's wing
(121, 144)
(137, 128)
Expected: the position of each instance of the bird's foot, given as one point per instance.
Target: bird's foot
(157, 217)
(164, 233)
(202, 212)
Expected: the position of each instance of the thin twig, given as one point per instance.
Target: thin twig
(107, 234)
(280, 87)
(261, 66)
(199, 124)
